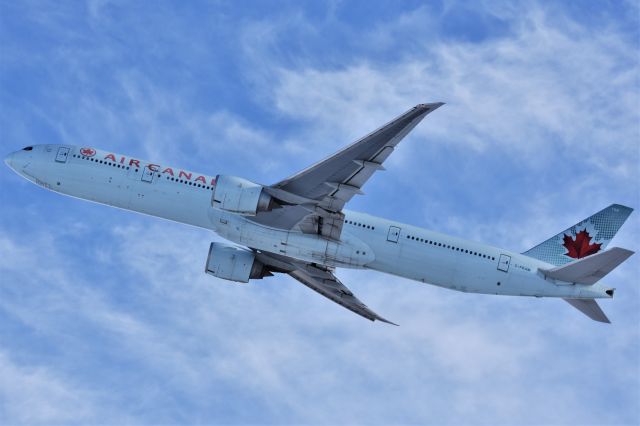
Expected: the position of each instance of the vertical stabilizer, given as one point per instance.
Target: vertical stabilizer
(583, 239)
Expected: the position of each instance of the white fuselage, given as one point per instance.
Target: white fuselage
(367, 242)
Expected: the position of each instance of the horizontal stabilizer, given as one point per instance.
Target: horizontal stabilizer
(590, 308)
(590, 269)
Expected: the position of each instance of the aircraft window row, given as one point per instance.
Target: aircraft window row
(437, 244)
(108, 163)
(111, 163)
(186, 182)
(362, 225)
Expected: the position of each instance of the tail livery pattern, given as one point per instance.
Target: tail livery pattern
(583, 239)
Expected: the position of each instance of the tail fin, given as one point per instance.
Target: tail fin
(585, 238)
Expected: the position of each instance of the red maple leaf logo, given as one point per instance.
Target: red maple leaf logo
(88, 152)
(580, 247)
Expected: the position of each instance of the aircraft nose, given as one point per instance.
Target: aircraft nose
(8, 160)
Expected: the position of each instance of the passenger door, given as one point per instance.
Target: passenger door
(393, 234)
(62, 155)
(147, 174)
(503, 263)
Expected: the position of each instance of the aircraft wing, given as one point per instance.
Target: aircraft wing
(318, 193)
(321, 280)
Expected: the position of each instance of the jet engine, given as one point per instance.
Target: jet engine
(234, 264)
(237, 195)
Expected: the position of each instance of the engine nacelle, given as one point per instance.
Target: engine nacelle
(237, 195)
(234, 264)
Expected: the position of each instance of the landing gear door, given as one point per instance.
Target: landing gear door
(147, 174)
(62, 155)
(394, 234)
(503, 263)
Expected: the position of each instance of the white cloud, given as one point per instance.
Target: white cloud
(551, 85)
(454, 356)
(33, 395)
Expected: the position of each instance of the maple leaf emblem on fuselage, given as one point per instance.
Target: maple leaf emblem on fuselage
(88, 152)
(581, 246)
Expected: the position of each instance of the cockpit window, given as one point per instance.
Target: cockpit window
(27, 148)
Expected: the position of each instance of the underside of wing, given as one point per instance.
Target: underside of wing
(321, 280)
(314, 197)
(338, 178)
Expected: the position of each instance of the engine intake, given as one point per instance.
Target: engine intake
(237, 195)
(234, 264)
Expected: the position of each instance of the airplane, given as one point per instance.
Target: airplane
(299, 226)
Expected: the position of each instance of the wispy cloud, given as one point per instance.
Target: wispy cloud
(34, 395)
(163, 317)
(537, 93)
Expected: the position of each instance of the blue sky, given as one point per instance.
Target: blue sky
(106, 316)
